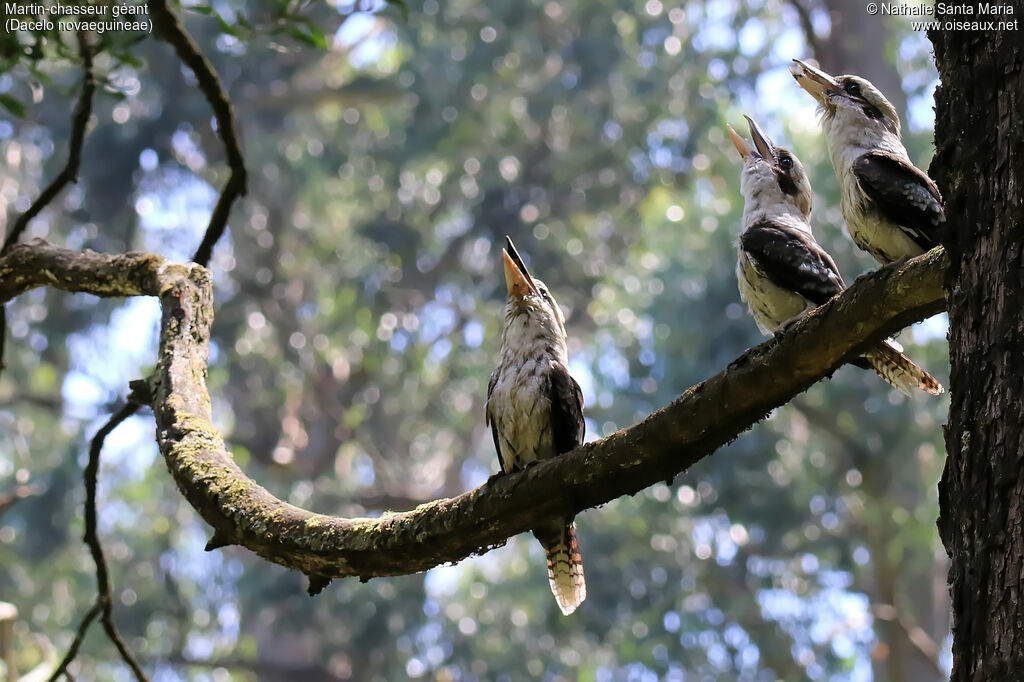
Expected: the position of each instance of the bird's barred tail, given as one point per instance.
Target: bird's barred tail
(900, 371)
(565, 565)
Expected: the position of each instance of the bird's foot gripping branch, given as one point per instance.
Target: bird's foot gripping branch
(323, 547)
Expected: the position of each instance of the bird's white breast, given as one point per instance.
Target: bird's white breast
(521, 410)
(869, 229)
(520, 403)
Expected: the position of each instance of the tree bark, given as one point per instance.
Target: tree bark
(979, 165)
(667, 442)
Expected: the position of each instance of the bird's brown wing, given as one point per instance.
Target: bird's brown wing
(488, 421)
(567, 425)
(791, 259)
(903, 194)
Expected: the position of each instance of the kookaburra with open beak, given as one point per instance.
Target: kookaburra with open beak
(535, 409)
(893, 210)
(783, 272)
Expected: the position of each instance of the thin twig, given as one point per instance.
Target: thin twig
(860, 456)
(807, 24)
(104, 599)
(8, 500)
(915, 634)
(79, 122)
(108, 625)
(90, 475)
(857, 453)
(173, 32)
(87, 620)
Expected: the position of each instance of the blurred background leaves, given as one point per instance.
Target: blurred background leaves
(390, 148)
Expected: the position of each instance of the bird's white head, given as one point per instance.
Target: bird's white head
(773, 181)
(532, 316)
(853, 110)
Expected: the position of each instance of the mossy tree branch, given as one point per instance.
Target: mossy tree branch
(667, 442)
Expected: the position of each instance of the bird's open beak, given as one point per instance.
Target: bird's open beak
(763, 143)
(741, 145)
(814, 81)
(517, 277)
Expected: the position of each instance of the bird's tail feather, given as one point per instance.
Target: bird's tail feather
(900, 371)
(565, 565)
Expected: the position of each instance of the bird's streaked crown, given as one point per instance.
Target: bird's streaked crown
(771, 174)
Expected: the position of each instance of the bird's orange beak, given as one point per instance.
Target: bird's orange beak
(741, 145)
(517, 277)
(814, 80)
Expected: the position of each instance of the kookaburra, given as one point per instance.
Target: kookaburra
(893, 210)
(535, 409)
(783, 272)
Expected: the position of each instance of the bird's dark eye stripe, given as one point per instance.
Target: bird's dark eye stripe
(787, 185)
(872, 112)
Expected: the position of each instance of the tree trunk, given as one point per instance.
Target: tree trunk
(979, 165)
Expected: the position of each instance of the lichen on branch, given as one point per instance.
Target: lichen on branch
(667, 442)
